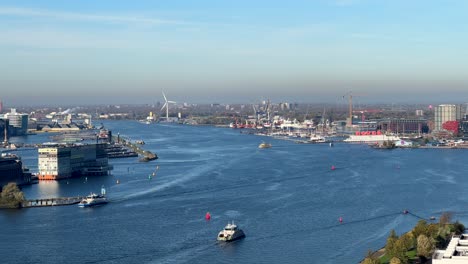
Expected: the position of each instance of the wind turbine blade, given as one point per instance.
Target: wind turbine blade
(165, 99)
(165, 104)
(172, 102)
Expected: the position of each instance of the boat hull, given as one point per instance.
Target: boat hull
(92, 204)
(238, 235)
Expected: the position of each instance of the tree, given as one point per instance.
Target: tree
(370, 259)
(12, 192)
(399, 251)
(445, 218)
(395, 260)
(11, 196)
(425, 247)
(408, 240)
(458, 228)
(420, 228)
(390, 246)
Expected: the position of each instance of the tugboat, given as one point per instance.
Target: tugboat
(230, 233)
(264, 145)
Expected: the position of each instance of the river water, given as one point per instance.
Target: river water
(286, 199)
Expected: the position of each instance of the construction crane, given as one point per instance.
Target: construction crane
(349, 121)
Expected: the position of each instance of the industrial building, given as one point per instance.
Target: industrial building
(59, 161)
(403, 125)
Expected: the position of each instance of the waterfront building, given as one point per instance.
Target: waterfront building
(58, 161)
(464, 125)
(456, 251)
(4, 130)
(12, 170)
(419, 113)
(403, 125)
(444, 113)
(18, 123)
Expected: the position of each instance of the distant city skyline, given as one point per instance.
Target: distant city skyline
(116, 52)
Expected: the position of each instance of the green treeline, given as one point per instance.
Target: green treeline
(418, 245)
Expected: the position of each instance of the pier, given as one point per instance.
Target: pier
(52, 202)
(135, 147)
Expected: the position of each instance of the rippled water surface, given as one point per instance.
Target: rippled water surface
(286, 199)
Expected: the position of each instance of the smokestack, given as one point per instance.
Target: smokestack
(1, 106)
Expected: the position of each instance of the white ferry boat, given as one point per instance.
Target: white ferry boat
(230, 233)
(93, 199)
(264, 145)
(371, 137)
(317, 139)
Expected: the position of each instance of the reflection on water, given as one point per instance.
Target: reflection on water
(287, 200)
(48, 189)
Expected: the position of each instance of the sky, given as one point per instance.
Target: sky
(113, 51)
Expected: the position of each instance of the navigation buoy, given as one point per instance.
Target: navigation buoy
(333, 167)
(207, 216)
(341, 219)
(117, 181)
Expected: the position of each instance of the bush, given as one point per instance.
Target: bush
(11, 196)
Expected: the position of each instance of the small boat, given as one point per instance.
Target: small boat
(264, 145)
(93, 199)
(230, 233)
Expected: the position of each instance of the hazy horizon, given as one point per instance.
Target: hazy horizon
(116, 52)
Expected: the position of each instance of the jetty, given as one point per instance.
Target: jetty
(136, 147)
(52, 201)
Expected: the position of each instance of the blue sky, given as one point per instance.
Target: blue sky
(233, 51)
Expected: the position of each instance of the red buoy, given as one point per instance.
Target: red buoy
(333, 167)
(341, 219)
(207, 216)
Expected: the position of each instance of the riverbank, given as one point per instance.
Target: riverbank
(418, 244)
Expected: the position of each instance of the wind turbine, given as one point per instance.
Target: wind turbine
(166, 104)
